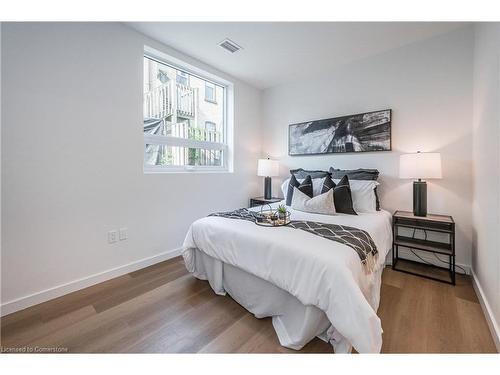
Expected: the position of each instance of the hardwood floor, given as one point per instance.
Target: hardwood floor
(164, 309)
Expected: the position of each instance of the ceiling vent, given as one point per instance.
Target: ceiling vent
(230, 46)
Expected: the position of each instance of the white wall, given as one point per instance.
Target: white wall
(72, 154)
(428, 85)
(486, 166)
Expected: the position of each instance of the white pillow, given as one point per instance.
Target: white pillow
(363, 195)
(317, 186)
(320, 204)
(284, 187)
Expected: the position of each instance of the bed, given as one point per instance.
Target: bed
(310, 286)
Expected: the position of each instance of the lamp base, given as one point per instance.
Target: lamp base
(267, 188)
(419, 198)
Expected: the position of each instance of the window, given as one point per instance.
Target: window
(210, 91)
(182, 78)
(181, 132)
(210, 126)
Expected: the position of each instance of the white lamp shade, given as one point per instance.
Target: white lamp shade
(268, 168)
(420, 165)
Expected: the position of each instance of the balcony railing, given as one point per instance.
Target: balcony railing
(159, 102)
(185, 156)
(185, 100)
(182, 156)
(183, 130)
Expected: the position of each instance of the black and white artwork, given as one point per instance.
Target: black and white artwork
(362, 132)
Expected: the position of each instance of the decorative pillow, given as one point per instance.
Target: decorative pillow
(377, 201)
(327, 185)
(341, 195)
(358, 174)
(317, 186)
(292, 183)
(355, 174)
(305, 187)
(363, 195)
(320, 204)
(302, 173)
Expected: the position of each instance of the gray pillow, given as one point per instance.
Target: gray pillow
(303, 173)
(355, 174)
(358, 174)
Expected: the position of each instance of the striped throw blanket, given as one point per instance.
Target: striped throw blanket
(358, 240)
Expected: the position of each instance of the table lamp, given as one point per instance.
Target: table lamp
(420, 165)
(268, 168)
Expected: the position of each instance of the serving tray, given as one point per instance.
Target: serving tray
(271, 218)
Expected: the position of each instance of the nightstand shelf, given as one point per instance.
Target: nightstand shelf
(424, 245)
(424, 227)
(440, 224)
(259, 201)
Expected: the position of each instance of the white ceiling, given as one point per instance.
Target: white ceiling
(277, 52)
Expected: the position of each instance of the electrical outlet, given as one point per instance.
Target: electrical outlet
(123, 234)
(112, 236)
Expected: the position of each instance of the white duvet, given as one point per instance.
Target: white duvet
(317, 271)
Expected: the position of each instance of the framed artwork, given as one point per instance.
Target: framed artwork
(363, 132)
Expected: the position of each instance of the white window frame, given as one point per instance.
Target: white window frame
(226, 147)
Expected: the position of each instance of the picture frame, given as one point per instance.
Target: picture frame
(361, 132)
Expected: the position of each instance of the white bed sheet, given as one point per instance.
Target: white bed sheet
(324, 276)
(295, 324)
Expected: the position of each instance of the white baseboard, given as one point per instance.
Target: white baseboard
(60, 290)
(488, 313)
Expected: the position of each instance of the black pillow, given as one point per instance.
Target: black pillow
(327, 184)
(377, 201)
(306, 187)
(292, 184)
(341, 195)
(358, 174)
(302, 173)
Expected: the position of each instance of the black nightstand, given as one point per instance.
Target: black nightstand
(259, 201)
(412, 232)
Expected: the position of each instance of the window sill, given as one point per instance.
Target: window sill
(211, 101)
